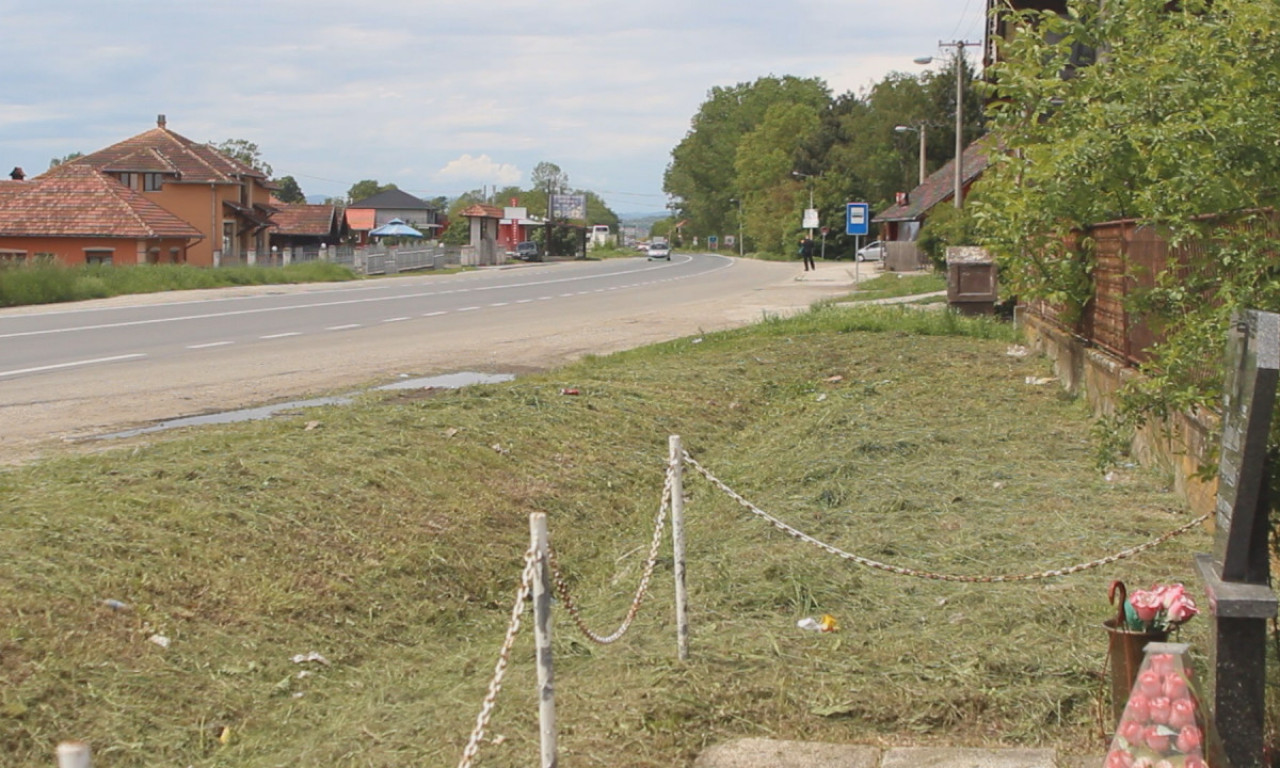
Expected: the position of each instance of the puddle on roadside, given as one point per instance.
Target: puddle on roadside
(445, 381)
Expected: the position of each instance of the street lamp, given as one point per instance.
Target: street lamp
(959, 45)
(920, 129)
(800, 175)
(738, 203)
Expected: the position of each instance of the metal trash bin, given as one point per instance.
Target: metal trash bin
(971, 280)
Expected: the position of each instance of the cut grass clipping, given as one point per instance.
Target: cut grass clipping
(387, 538)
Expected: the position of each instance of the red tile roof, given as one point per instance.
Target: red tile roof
(361, 219)
(302, 219)
(160, 150)
(81, 202)
(939, 186)
(481, 211)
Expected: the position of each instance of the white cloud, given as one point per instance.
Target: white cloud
(604, 90)
(479, 170)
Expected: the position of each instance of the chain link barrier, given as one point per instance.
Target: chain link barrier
(562, 588)
(504, 657)
(901, 571)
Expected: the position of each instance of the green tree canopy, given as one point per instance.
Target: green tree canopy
(1173, 127)
(288, 191)
(246, 152)
(367, 188)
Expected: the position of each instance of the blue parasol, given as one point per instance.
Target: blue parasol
(395, 228)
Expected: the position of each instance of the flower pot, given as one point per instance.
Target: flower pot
(1124, 654)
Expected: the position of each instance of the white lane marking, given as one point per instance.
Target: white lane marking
(210, 344)
(436, 313)
(466, 309)
(281, 335)
(56, 366)
(726, 264)
(394, 319)
(524, 301)
(346, 327)
(499, 304)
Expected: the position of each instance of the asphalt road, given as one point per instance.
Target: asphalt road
(72, 371)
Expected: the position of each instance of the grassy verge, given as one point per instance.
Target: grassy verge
(888, 286)
(387, 537)
(44, 283)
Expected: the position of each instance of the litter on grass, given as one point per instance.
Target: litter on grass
(827, 623)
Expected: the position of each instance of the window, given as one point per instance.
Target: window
(152, 182)
(130, 180)
(11, 256)
(98, 255)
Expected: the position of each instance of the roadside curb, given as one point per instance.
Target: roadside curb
(770, 753)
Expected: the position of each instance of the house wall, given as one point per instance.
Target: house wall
(200, 205)
(71, 251)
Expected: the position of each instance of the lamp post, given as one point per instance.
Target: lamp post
(920, 129)
(959, 45)
(738, 203)
(800, 175)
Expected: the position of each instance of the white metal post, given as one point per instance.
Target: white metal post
(73, 754)
(676, 468)
(542, 639)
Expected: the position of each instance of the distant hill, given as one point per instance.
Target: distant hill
(641, 221)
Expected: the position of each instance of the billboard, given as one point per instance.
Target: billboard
(569, 206)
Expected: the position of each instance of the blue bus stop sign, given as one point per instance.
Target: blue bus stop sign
(857, 219)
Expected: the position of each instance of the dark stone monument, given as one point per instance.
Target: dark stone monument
(1236, 575)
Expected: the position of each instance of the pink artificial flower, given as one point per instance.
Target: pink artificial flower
(1157, 741)
(1189, 739)
(1163, 764)
(1132, 731)
(1150, 684)
(1175, 687)
(1143, 762)
(1119, 758)
(1146, 604)
(1181, 610)
(1194, 761)
(1163, 663)
(1160, 708)
(1182, 713)
(1139, 707)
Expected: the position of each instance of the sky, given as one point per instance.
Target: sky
(435, 97)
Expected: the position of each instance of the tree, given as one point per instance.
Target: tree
(289, 191)
(773, 203)
(246, 152)
(1173, 127)
(702, 175)
(57, 161)
(367, 188)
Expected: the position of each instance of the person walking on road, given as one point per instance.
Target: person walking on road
(806, 253)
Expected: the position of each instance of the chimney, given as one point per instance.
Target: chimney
(17, 174)
(159, 121)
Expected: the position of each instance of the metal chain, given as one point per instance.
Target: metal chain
(504, 656)
(901, 571)
(562, 588)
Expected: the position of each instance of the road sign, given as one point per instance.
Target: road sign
(857, 219)
(713, 242)
(810, 218)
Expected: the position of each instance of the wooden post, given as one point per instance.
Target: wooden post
(73, 754)
(542, 639)
(676, 468)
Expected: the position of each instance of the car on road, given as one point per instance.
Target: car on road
(659, 250)
(528, 251)
(873, 251)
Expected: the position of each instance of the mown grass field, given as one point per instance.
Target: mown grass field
(388, 537)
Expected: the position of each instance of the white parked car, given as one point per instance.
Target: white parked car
(873, 251)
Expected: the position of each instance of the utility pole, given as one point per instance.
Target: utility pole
(959, 45)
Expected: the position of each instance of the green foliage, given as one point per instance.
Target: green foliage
(945, 227)
(773, 202)
(246, 152)
(50, 282)
(1172, 127)
(55, 162)
(366, 188)
(288, 191)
